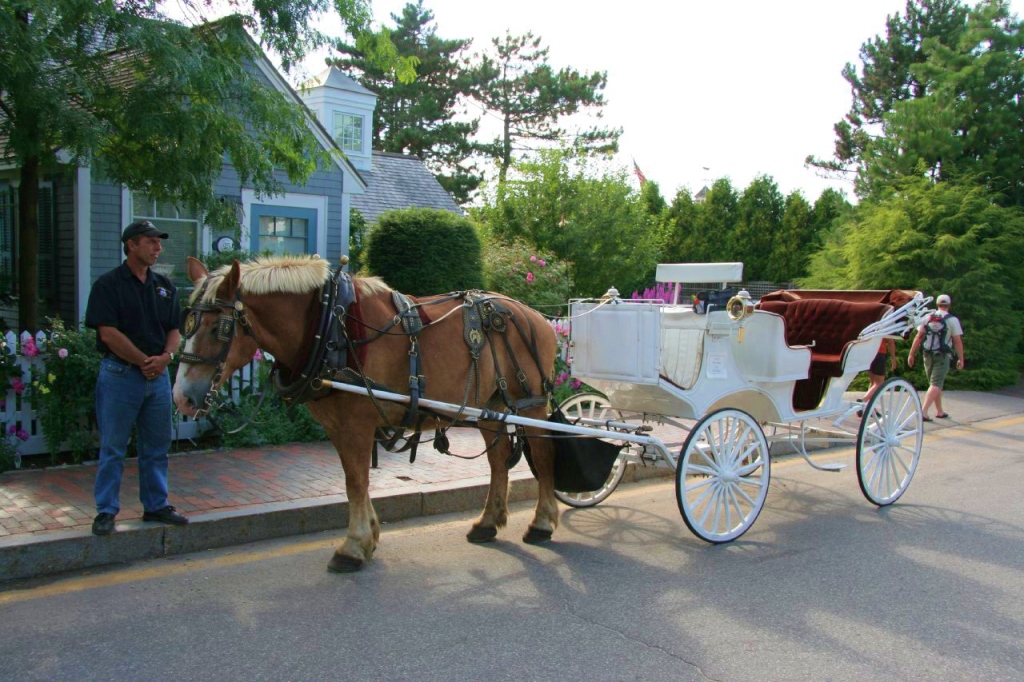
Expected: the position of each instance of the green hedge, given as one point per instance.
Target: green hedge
(422, 251)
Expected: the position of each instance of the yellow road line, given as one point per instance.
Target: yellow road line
(80, 584)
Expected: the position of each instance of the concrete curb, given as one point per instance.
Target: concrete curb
(61, 551)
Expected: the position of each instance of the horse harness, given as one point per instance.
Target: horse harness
(329, 358)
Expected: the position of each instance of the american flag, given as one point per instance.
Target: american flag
(639, 174)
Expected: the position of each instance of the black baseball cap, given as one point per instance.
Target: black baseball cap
(142, 228)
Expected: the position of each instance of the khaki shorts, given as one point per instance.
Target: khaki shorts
(936, 366)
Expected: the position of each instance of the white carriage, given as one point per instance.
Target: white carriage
(727, 375)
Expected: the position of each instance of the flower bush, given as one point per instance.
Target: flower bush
(63, 389)
(566, 385)
(9, 440)
(537, 279)
(660, 290)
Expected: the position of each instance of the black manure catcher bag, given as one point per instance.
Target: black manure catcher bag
(582, 464)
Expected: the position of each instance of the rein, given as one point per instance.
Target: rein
(227, 326)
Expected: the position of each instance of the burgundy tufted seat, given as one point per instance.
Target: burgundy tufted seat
(829, 324)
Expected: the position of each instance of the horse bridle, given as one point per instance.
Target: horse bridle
(227, 325)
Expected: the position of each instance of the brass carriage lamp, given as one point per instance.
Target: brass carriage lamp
(740, 307)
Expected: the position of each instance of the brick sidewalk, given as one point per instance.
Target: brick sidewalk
(39, 501)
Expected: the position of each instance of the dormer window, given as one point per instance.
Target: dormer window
(348, 132)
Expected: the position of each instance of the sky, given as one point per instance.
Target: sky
(702, 90)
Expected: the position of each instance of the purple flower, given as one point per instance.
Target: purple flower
(18, 386)
(576, 383)
(30, 349)
(22, 434)
(62, 353)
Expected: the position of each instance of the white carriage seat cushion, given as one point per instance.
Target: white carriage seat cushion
(682, 346)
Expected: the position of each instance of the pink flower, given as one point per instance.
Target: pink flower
(30, 349)
(257, 356)
(576, 383)
(541, 262)
(18, 386)
(533, 259)
(62, 353)
(529, 277)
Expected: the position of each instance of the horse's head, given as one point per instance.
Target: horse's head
(217, 337)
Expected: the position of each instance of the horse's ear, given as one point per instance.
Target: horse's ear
(196, 270)
(230, 284)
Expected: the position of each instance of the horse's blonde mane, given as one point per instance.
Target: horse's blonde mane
(281, 274)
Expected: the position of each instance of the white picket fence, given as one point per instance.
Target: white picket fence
(18, 412)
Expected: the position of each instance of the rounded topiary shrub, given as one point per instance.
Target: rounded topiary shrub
(422, 251)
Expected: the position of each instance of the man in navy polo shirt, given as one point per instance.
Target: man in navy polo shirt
(135, 313)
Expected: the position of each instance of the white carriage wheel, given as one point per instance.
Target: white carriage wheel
(591, 406)
(889, 442)
(722, 476)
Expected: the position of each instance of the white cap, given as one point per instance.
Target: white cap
(943, 299)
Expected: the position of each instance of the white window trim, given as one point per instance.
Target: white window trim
(309, 201)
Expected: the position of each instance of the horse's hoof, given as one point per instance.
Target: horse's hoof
(536, 536)
(341, 563)
(479, 534)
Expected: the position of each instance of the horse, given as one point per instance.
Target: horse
(274, 304)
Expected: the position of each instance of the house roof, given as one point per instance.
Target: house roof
(400, 181)
(332, 77)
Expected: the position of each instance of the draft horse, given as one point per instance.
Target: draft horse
(279, 305)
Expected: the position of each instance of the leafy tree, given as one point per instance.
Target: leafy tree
(794, 242)
(593, 220)
(422, 251)
(650, 197)
(419, 117)
(830, 206)
(940, 238)
(517, 85)
(969, 125)
(938, 96)
(887, 75)
(711, 240)
(679, 224)
(759, 218)
(153, 104)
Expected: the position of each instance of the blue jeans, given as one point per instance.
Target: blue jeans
(126, 399)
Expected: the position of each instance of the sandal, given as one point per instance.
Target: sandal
(944, 415)
(926, 419)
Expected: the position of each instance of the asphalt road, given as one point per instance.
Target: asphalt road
(824, 587)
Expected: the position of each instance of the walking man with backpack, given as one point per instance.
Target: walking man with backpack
(941, 338)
